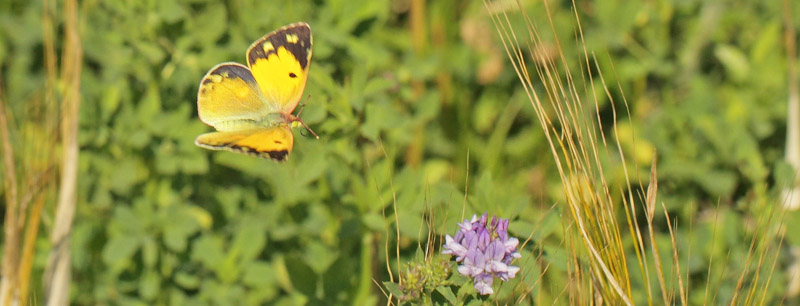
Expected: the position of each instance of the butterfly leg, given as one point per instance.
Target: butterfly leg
(303, 106)
(306, 126)
(296, 118)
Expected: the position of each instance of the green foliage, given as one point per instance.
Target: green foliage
(161, 221)
(421, 278)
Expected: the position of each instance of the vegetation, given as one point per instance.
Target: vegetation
(639, 161)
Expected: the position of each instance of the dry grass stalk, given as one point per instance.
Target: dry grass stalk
(574, 138)
(29, 139)
(792, 193)
(11, 230)
(578, 145)
(58, 275)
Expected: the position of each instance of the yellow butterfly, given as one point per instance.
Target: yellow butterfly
(251, 108)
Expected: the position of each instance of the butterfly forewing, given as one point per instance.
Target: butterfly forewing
(279, 62)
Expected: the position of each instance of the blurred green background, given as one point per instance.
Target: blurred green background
(414, 100)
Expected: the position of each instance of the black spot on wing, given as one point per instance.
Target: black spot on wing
(299, 49)
(292, 75)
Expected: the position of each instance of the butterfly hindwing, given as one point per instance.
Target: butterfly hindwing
(229, 94)
(279, 63)
(274, 143)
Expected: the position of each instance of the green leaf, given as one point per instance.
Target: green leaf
(374, 221)
(303, 278)
(180, 226)
(393, 289)
(188, 281)
(171, 11)
(734, 61)
(319, 257)
(149, 252)
(150, 285)
(259, 274)
(125, 175)
(210, 23)
(249, 240)
(208, 251)
(475, 302)
(118, 252)
(448, 294)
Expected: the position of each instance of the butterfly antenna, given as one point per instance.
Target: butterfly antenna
(307, 128)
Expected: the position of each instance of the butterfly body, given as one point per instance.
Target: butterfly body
(251, 106)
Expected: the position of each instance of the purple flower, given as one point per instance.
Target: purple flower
(485, 251)
(483, 238)
(494, 257)
(509, 274)
(483, 283)
(473, 264)
(467, 225)
(453, 248)
(502, 230)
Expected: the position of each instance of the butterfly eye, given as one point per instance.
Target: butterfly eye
(292, 75)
